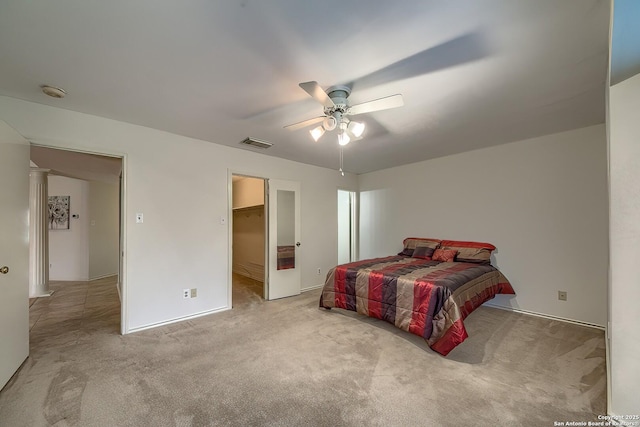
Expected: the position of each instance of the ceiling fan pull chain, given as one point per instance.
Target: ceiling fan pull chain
(341, 161)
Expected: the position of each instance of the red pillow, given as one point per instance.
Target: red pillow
(444, 255)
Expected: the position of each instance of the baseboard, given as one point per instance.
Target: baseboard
(176, 320)
(546, 316)
(310, 288)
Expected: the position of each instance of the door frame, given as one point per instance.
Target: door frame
(122, 289)
(265, 281)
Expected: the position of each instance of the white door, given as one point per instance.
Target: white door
(284, 239)
(14, 251)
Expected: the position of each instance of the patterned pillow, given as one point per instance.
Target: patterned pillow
(444, 255)
(475, 252)
(424, 249)
(411, 242)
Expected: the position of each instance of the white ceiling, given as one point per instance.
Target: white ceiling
(473, 73)
(72, 164)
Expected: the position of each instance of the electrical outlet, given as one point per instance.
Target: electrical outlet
(562, 295)
(186, 293)
(318, 271)
(194, 292)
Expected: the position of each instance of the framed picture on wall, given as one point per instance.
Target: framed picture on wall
(59, 212)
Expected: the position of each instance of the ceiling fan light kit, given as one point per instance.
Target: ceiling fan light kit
(317, 132)
(336, 110)
(329, 123)
(343, 138)
(356, 128)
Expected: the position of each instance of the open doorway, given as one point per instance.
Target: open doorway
(249, 239)
(347, 226)
(86, 255)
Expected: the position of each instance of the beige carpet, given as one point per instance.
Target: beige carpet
(288, 363)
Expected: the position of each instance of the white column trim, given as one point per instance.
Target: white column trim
(38, 233)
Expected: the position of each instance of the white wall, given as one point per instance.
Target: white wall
(542, 202)
(624, 176)
(69, 249)
(180, 184)
(103, 229)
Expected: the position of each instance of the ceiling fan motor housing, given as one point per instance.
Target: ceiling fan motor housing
(338, 95)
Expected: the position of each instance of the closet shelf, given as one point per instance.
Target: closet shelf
(248, 208)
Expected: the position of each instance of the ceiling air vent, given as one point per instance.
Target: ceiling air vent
(256, 143)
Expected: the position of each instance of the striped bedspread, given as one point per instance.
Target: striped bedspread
(427, 298)
(286, 257)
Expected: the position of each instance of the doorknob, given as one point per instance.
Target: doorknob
(298, 244)
(4, 270)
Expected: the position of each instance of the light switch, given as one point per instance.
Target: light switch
(139, 218)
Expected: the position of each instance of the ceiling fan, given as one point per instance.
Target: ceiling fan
(337, 111)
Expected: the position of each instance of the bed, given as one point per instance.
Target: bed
(420, 290)
(286, 257)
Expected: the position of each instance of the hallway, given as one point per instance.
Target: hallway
(74, 311)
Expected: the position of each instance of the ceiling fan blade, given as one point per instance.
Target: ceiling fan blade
(457, 51)
(305, 123)
(316, 92)
(385, 103)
